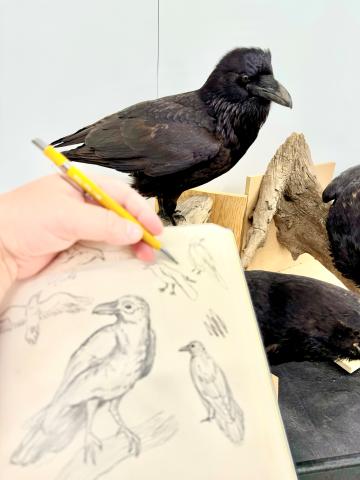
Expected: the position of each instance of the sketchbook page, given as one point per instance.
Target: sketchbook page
(110, 368)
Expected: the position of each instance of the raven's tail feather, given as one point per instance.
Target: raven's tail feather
(46, 436)
(231, 422)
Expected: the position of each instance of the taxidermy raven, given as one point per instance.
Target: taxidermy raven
(179, 142)
(301, 318)
(343, 222)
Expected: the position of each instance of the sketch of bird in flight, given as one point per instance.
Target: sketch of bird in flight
(82, 254)
(38, 309)
(202, 260)
(101, 371)
(215, 392)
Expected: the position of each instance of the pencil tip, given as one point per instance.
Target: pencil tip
(168, 254)
(39, 143)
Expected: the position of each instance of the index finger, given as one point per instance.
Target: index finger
(132, 201)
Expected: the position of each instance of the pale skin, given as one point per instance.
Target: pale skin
(42, 218)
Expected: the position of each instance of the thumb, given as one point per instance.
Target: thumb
(91, 222)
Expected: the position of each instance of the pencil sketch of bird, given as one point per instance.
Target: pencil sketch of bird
(343, 222)
(174, 280)
(83, 255)
(104, 369)
(41, 308)
(215, 392)
(203, 261)
(302, 318)
(181, 141)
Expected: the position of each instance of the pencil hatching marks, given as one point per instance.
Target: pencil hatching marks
(38, 309)
(203, 261)
(104, 368)
(174, 280)
(215, 393)
(215, 325)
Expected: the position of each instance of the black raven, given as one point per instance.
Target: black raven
(179, 142)
(343, 222)
(301, 318)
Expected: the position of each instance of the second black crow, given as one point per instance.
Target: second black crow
(301, 318)
(343, 222)
(181, 141)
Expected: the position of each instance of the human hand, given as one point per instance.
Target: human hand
(44, 217)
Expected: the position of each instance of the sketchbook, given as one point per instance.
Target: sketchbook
(111, 368)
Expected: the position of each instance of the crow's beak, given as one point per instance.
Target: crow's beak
(269, 88)
(108, 308)
(184, 349)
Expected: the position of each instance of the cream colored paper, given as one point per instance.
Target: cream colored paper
(59, 414)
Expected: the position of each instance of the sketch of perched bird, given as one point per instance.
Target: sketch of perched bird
(181, 141)
(102, 370)
(343, 222)
(174, 280)
(203, 261)
(215, 392)
(38, 309)
(301, 318)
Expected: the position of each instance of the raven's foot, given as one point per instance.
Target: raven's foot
(92, 444)
(133, 440)
(177, 218)
(207, 419)
(32, 333)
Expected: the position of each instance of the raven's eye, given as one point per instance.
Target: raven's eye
(127, 306)
(244, 78)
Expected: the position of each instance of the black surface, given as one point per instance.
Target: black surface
(320, 406)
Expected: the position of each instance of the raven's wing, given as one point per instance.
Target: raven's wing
(155, 138)
(151, 352)
(211, 383)
(91, 353)
(342, 182)
(63, 302)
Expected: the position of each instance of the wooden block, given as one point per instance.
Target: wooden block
(228, 210)
(273, 256)
(275, 381)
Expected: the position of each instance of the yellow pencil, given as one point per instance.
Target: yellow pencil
(91, 188)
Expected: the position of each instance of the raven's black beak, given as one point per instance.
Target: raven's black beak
(269, 88)
(108, 308)
(184, 349)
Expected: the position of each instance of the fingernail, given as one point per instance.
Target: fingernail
(133, 231)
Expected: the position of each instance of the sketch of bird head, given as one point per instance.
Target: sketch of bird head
(128, 309)
(194, 348)
(246, 73)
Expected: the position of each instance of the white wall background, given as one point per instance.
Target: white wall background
(65, 64)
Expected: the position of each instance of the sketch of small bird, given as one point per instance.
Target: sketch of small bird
(174, 280)
(181, 141)
(215, 392)
(343, 222)
(82, 254)
(40, 308)
(203, 261)
(101, 371)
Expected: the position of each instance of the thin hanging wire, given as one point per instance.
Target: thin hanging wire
(158, 49)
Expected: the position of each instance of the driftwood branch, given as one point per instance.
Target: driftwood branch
(291, 196)
(115, 450)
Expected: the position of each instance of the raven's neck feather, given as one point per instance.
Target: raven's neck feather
(238, 123)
